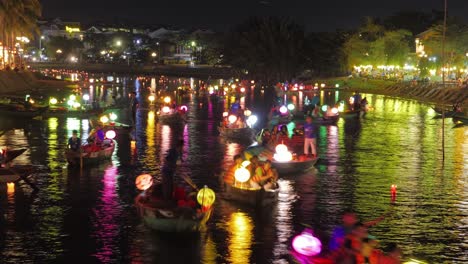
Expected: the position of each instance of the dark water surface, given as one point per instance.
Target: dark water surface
(89, 216)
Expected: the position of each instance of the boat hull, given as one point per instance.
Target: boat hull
(90, 158)
(153, 219)
(245, 133)
(9, 111)
(254, 198)
(292, 167)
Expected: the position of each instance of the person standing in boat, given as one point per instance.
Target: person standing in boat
(310, 135)
(168, 170)
(74, 142)
(134, 105)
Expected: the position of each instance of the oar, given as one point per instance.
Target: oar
(190, 182)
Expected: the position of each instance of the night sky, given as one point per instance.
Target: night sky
(316, 15)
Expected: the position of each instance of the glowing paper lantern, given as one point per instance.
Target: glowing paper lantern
(113, 116)
(351, 100)
(73, 97)
(10, 187)
(242, 90)
(322, 85)
(143, 182)
(86, 97)
(291, 107)
(110, 134)
(324, 108)
(252, 120)
(70, 103)
(334, 110)
(76, 105)
(280, 148)
(166, 109)
(206, 196)
(283, 156)
(337, 86)
(151, 98)
(104, 119)
(283, 109)
(225, 114)
(247, 112)
(167, 99)
(53, 101)
(306, 244)
(232, 119)
(183, 108)
(242, 174)
(245, 163)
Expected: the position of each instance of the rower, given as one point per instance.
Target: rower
(74, 142)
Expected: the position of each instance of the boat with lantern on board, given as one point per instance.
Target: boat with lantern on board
(181, 214)
(176, 115)
(283, 160)
(239, 188)
(93, 153)
(238, 127)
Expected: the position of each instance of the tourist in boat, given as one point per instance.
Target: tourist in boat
(357, 101)
(266, 137)
(310, 135)
(74, 142)
(364, 104)
(229, 175)
(168, 170)
(283, 136)
(265, 176)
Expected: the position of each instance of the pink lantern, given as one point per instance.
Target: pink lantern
(306, 244)
(225, 114)
(283, 109)
(183, 108)
(110, 134)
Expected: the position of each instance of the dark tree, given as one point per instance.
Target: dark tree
(267, 48)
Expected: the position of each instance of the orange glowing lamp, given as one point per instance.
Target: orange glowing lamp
(143, 182)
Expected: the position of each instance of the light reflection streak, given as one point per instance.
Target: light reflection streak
(240, 240)
(284, 219)
(107, 217)
(166, 135)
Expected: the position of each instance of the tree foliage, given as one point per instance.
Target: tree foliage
(268, 48)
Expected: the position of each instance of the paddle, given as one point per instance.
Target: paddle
(189, 181)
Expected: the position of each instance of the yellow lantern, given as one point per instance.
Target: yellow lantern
(206, 196)
(53, 101)
(242, 175)
(151, 98)
(10, 187)
(143, 182)
(247, 112)
(225, 114)
(104, 119)
(167, 99)
(166, 109)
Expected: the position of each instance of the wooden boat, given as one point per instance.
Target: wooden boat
(297, 165)
(118, 127)
(10, 155)
(459, 118)
(16, 173)
(19, 111)
(171, 118)
(252, 197)
(326, 120)
(92, 157)
(170, 219)
(63, 112)
(352, 114)
(294, 166)
(237, 133)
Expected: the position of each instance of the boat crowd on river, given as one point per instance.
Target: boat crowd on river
(271, 153)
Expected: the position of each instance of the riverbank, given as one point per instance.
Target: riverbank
(26, 82)
(198, 71)
(433, 93)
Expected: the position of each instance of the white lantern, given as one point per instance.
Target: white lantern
(242, 174)
(280, 148)
(232, 119)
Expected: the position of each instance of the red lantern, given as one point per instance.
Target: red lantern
(393, 192)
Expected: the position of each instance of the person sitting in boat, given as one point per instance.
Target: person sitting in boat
(74, 142)
(357, 101)
(239, 122)
(265, 176)
(364, 104)
(283, 136)
(266, 137)
(235, 107)
(229, 175)
(254, 164)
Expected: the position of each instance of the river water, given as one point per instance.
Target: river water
(88, 216)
